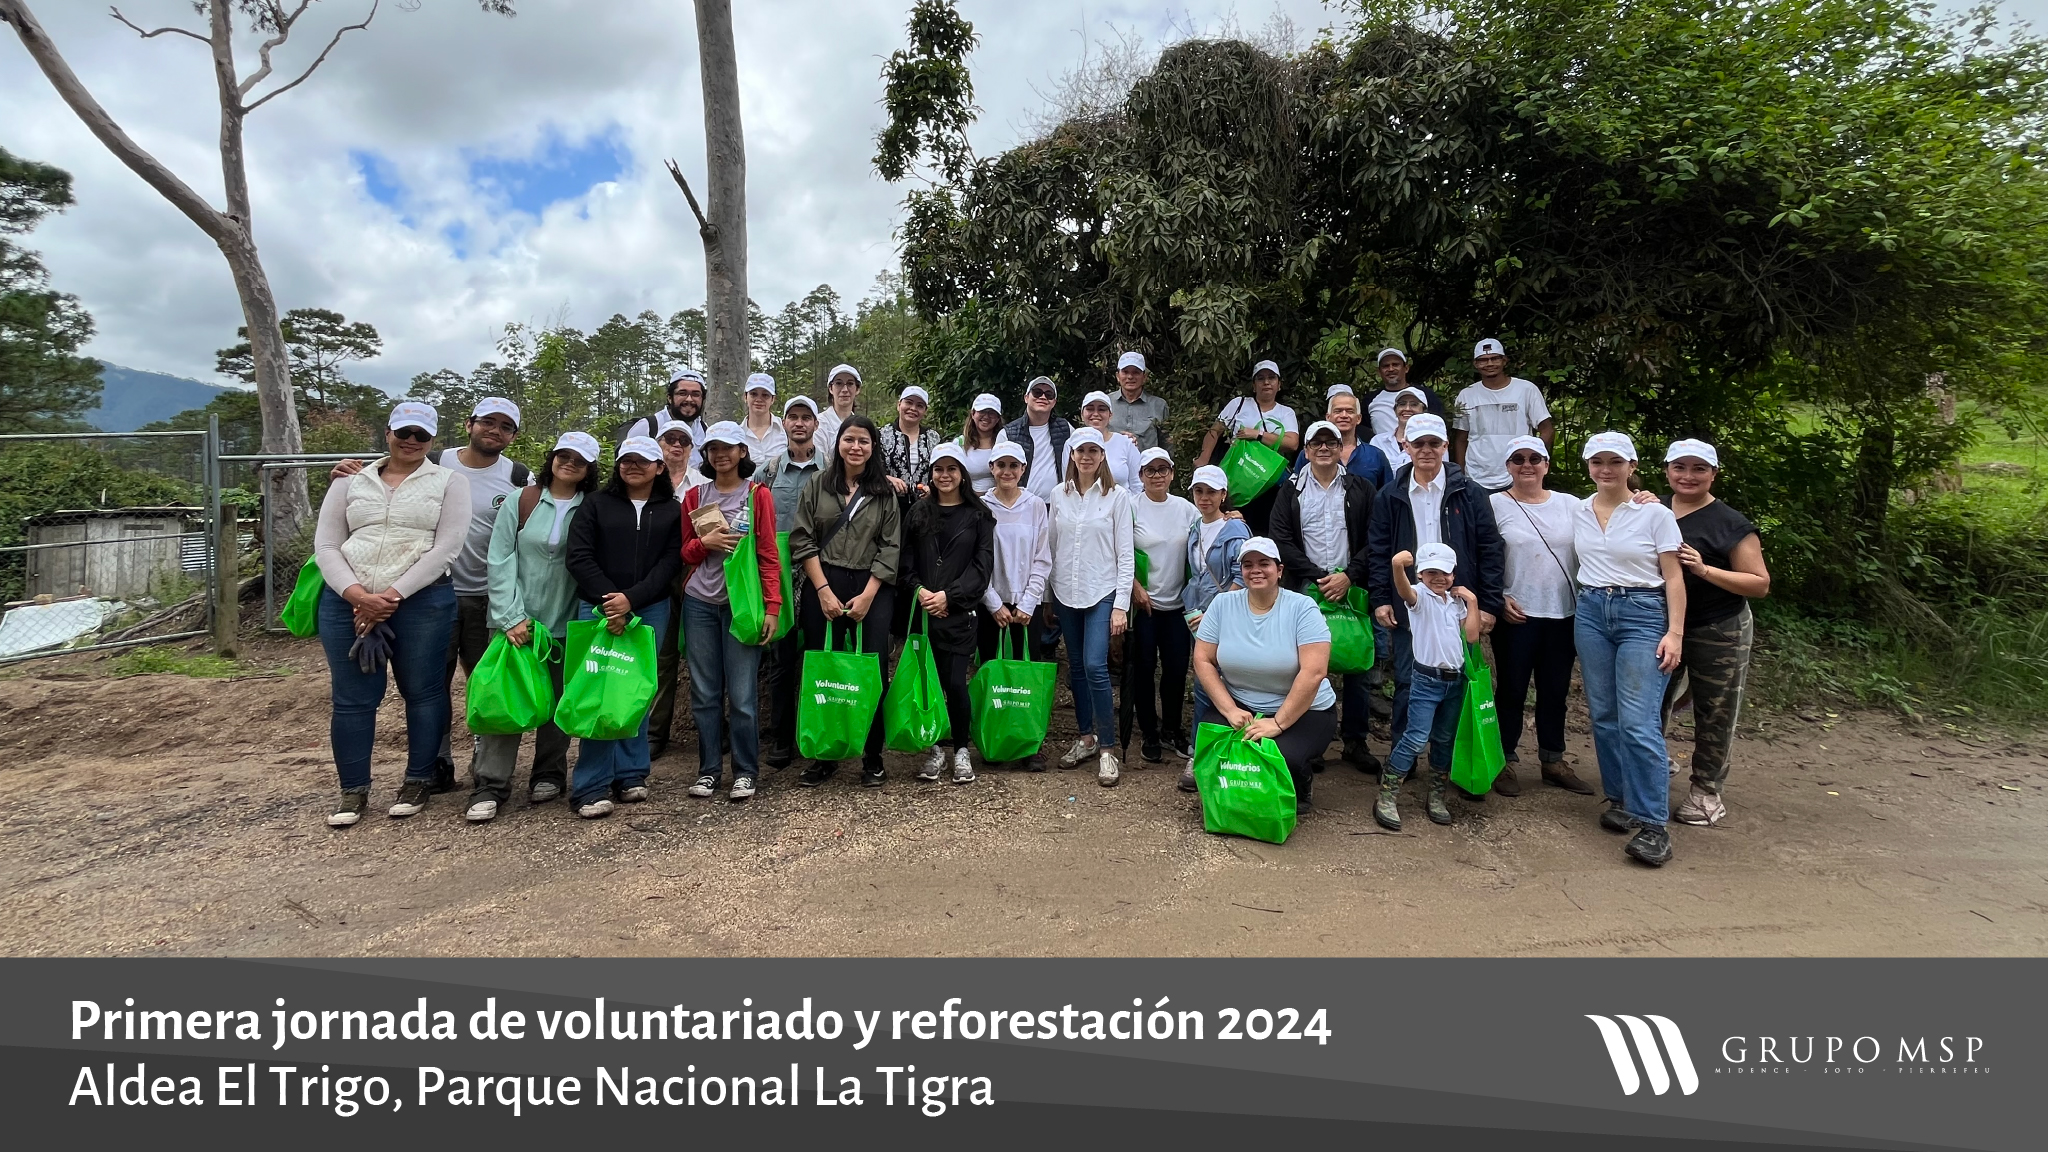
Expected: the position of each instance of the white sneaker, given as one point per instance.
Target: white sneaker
(704, 787)
(963, 766)
(1106, 770)
(481, 811)
(933, 765)
(543, 792)
(1078, 751)
(742, 788)
(1671, 767)
(1701, 809)
(635, 795)
(595, 810)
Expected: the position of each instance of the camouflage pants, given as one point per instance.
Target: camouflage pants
(1715, 664)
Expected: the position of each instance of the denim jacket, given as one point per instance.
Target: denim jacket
(1209, 575)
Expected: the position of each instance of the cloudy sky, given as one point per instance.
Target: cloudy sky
(446, 172)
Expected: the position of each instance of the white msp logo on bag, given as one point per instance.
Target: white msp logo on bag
(1646, 1048)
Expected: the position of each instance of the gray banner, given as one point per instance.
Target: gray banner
(1833, 1053)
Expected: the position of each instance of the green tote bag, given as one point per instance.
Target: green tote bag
(914, 708)
(1351, 646)
(511, 691)
(743, 583)
(1477, 757)
(301, 614)
(1251, 468)
(1245, 787)
(836, 699)
(608, 681)
(1011, 704)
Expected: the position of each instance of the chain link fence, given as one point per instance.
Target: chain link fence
(106, 540)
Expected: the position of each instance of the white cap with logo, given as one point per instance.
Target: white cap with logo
(914, 393)
(1436, 558)
(1386, 352)
(761, 382)
(413, 414)
(1427, 424)
(806, 401)
(1318, 428)
(1210, 476)
(1615, 442)
(1131, 360)
(1259, 546)
(1101, 398)
(639, 446)
(1488, 347)
(1698, 449)
(496, 406)
(682, 374)
(1006, 450)
(581, 443)
(988, 402)
(1529, 444)
(1154, 455)
(950, 451)
(837, 369)
(1086, 434)
(1265, 366)
(724, 432)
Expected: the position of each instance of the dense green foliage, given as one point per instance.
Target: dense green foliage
(45, 384)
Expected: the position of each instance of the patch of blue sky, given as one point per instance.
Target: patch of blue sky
(380, 180)
(457, 235)
(558, 170)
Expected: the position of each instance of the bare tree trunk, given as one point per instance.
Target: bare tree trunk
(725, 237)
(229, 230)
(285, 488)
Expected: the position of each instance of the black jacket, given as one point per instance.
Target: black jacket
(1466, 525)
(947, 550)
(1296, 571)
(1058, 431)
(609, 552)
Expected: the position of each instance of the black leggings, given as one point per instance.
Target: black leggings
(954, 669)
(846, 583)
(1542, 649)
(1158, 642)
(987, 636)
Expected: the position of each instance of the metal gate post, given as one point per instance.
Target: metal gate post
(224, 614)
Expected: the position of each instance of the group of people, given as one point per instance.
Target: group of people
(1017, 537)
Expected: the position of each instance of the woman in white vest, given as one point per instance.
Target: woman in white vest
(384, 542)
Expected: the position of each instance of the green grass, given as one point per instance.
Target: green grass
(157, 660)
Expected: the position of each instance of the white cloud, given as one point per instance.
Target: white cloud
(430, 90)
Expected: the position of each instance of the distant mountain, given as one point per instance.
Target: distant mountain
(132, 398)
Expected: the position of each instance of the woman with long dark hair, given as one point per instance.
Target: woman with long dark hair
(978, 436)
(624, 551)
(949, 551)
(530, 588)
(848, 541)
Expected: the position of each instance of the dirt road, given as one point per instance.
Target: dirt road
(165, 815)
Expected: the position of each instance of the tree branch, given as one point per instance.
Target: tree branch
(284, 33)
(74, 93)
(317, 61)
(703, 225)
(158, 32)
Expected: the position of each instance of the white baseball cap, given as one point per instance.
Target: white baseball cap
(1321, 426)
(761, 382)
(682, 374)
(1615, 442)
(581, 443)
(639, 446)
(1488, 347)
(1427, 424)
(915, 391)
(724, 432)
(1210, 476)
(806, 401)
(1259, 546)
(950, 451)
(1006, 450)
(1386, 352)
(849, 369)
(1101, 398)
(1150, 454)
(677, 426)
(1132, 360)
(1421, 397)
(988, 402)
(1035, 381)
(496, 406)
(1436, 558)
(1532, 443)
(1086, 434)
(1336, 390)
(1265, 366)
(413, 414)
(1680, 449)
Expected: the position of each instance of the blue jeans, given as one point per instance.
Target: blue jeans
(722, 671)
(1403, 659)
(419, 651)
(603, 764)
(1617, 630)
(1087, 635)
(1433, 707)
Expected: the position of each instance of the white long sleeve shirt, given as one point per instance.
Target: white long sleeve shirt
(1023, 562)
(1092, 545)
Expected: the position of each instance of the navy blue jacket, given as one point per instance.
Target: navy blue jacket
(1467, 526)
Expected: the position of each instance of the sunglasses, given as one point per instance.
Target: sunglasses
(676, 441)
(1043, 393)
(416, 435)
(1524, 459)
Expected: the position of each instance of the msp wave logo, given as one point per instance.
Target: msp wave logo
(1655, 1069)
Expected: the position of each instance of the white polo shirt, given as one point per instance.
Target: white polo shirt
(1427, 503)
(1434, 624)
(1625, 555)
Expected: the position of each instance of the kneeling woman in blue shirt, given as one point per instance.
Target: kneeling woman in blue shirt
(1265, 650)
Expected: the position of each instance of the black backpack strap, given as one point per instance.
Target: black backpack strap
(520, 476)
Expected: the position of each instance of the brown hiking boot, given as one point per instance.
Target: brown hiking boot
(1561, 775)
(1507, 784)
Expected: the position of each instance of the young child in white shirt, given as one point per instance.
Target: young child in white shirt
(1442, 618)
